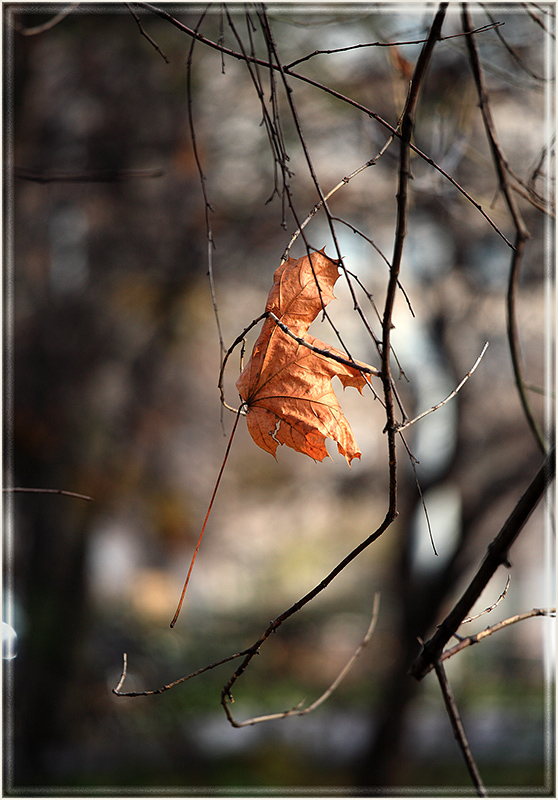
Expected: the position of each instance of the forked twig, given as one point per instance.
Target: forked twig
(450, 395)
(467, 641)
(482, 29)
(117, 689)
(297, 711)
(331, 192)
(496, 554)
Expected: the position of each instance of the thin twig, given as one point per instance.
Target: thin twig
(496, 554)
(458, 729)
(372, 162)
(216, 487)
(538, 21)
(47, 491)
(143, 33)
(513, 342)
(240, 338)
(450, 395)
(387, 44)
(298, 711)
(493, 606)
(509, 48)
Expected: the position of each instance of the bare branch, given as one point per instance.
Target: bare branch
(324, 352)
(407, 125)
(226, 695)
(207, 204)
(237, 341)
(522, 234)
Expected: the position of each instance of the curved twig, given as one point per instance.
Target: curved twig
(522, 233)
(46, 26)
(226, 693)
(491, 607)
(450, 396)
(298, 710)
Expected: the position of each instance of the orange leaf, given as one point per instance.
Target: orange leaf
(286, 386)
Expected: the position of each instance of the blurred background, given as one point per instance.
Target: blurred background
(111, 366)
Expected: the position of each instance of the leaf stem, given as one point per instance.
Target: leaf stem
(218, 481)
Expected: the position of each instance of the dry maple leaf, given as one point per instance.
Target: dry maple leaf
(285, 386)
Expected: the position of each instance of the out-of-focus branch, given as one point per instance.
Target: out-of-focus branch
(46, 26)
(64, 492)
(88, 176)
(207, 204)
